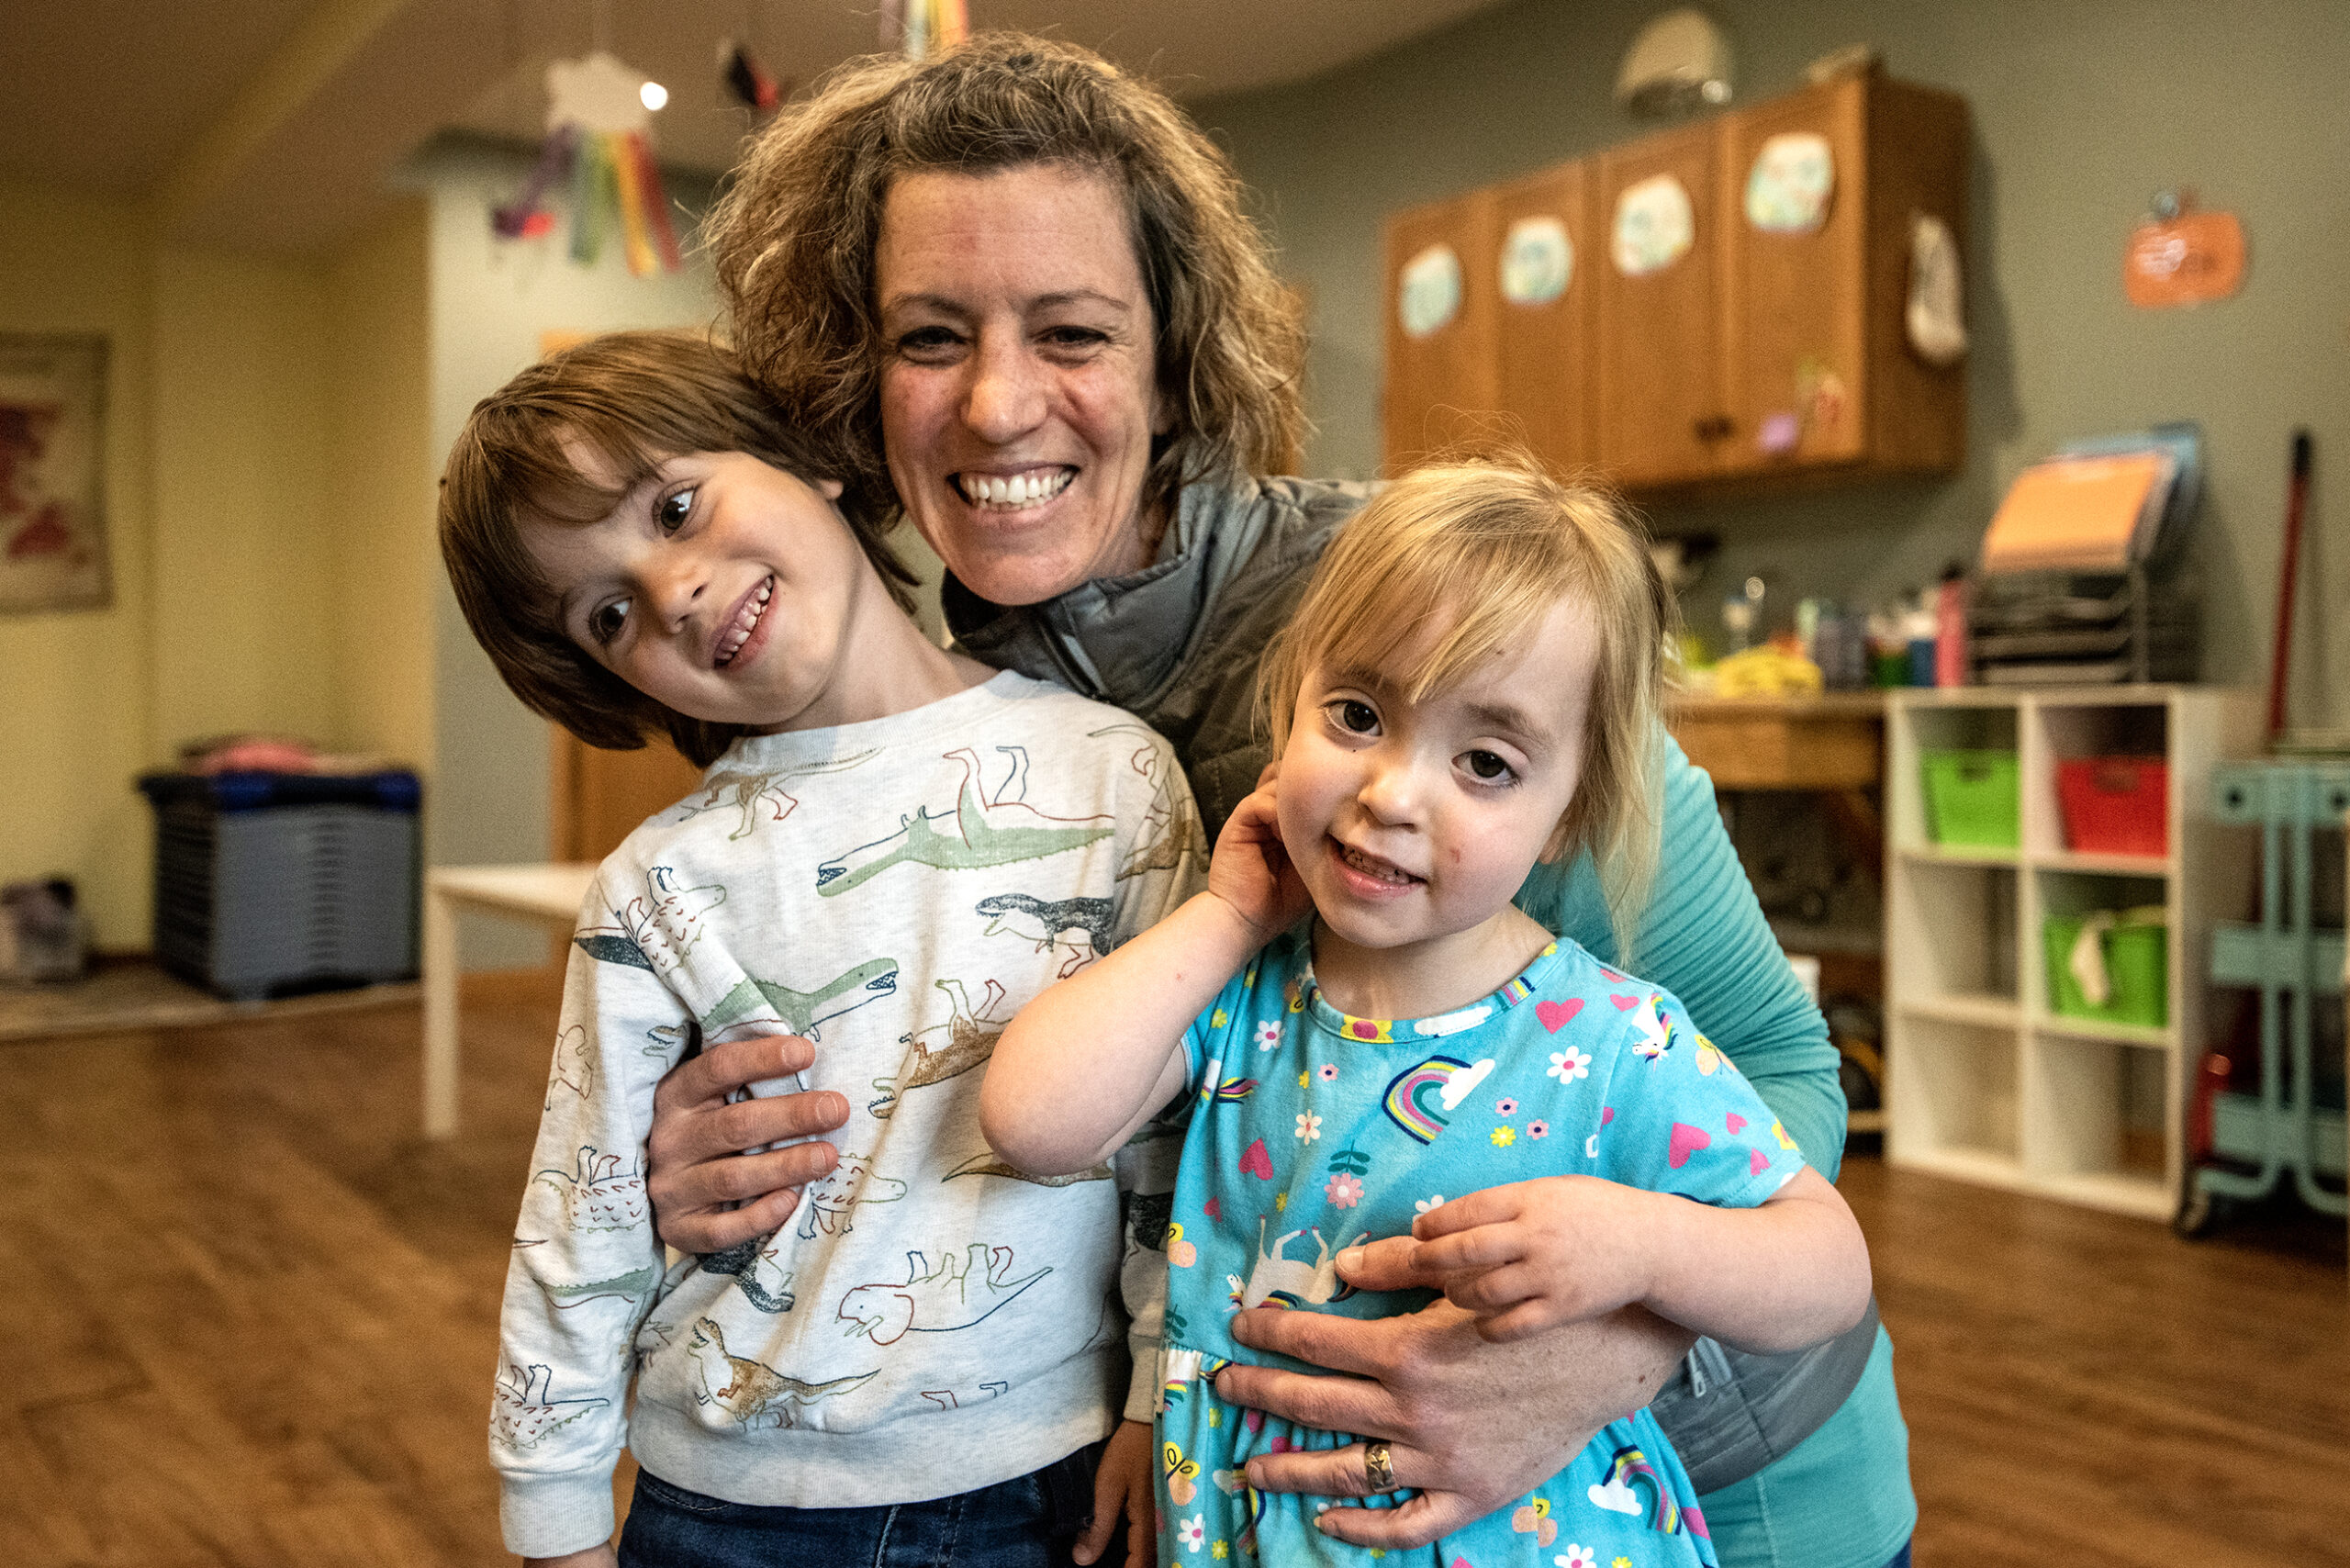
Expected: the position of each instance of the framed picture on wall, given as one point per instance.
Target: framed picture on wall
(52, 472)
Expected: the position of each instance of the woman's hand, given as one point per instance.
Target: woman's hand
(1251, 870)
(594, 1557)
(1122, 1485)
(1534, 1255)
(707, 1194)
(1427, 1384)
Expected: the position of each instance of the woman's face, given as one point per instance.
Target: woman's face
(1019, 381)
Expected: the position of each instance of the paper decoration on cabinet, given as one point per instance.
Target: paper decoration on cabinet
(1935, 320)
(1788, 188)
(1538, 260)
(2187, 258)
(921, 28)
(597, 126)
(1821, 398)
(1654, 226)
(52, 472)
(1429, 294)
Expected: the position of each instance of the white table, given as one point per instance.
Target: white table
(547, 894)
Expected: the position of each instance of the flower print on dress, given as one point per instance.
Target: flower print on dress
(1327, 1072)
(1343, 1191)
(1576, 1557)
(1504, 1136)
(1268, 1034)
(1537, 1128)
(1569, 1065)
(1309, 1126)
(1504, 1106)
(1193, 1533)
(1433, 1200)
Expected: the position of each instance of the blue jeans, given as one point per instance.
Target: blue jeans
(1900, 1558)
(1030, 1521)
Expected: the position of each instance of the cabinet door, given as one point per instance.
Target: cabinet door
(1795, 278)
(1546, 271)
(1438, 305)
(1660, 406)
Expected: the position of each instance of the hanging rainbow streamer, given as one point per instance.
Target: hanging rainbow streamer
(615, 186)
(922, 27)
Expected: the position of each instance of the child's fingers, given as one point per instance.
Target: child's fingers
(1142, 1529)
(1522, 1321)
(1390, 1263)
(1492, 1206)
(1493, 1289)
(1486, 1246)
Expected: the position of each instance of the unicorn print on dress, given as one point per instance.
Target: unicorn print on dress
(1421, 1099)
(1653, 1028)
(1277, 1280)
(978, 831)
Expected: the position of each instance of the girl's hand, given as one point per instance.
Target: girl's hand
(594, 1557)
(1122, 1487)
(1535, 1255)
(1251, 870)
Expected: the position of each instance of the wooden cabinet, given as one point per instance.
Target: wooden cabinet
(1545, 351)
(1707, 341)
(1441, 367)
(1661, 331)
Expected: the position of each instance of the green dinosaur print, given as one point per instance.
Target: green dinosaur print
(979, 831)
(627, 1287)
(802, 1011)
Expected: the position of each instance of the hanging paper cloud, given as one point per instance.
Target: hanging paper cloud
(597, 126)
(923, 27)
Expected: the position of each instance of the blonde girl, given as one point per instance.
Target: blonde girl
(1470, 686)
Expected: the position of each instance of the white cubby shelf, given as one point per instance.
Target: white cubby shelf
(1984, 1080)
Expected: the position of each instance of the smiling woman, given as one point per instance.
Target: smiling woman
(1011, 294)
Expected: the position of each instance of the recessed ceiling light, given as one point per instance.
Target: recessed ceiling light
(653, 94)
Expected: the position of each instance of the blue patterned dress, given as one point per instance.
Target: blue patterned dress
(1311, 1130)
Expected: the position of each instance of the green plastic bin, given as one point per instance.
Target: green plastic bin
(1973, 797)
(2137, 964)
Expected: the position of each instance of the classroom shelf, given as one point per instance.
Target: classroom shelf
(1985, 1082)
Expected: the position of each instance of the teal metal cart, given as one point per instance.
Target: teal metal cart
(2294, 1126)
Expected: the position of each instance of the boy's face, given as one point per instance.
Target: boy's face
(1414, 823)
(721, 586)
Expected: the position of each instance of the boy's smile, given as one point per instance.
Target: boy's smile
(731, 591)
(1414, 823)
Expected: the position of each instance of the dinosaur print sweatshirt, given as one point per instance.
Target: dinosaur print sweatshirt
(927, 1322)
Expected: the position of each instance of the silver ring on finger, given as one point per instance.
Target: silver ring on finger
(1378, 1468)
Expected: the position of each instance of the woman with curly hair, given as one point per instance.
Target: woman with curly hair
(1011, 291)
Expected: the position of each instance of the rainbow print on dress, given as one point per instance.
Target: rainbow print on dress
(1420, 1099)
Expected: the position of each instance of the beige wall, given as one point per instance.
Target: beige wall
(382, 563)
(270, 516)
(75, 698)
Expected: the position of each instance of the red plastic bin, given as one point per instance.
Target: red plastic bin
(2115, 805)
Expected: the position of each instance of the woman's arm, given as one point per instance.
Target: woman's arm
(1081, 1068)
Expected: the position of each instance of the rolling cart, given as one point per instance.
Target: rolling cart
(2293, 1127)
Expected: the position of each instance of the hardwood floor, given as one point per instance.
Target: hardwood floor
(255, 1321)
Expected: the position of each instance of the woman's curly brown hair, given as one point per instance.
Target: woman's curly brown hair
(794, 237)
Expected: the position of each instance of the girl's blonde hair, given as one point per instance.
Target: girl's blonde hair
(794, 239)
(1481, 551)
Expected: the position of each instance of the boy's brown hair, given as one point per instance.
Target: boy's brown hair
(635, 400)
(1479, 548)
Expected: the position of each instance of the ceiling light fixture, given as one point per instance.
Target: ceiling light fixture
(653, 95)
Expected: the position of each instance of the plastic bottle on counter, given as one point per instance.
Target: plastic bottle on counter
(1951, 666)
